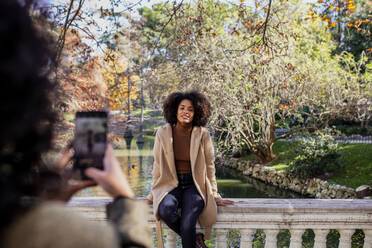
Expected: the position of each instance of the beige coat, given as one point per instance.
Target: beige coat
(52, 224)
(202, 167)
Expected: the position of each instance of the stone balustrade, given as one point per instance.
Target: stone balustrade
(271, 216)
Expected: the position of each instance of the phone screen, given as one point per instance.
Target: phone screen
(90, 141)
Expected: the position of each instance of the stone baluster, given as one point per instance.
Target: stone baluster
(320, 238)
(296, 238)
(221, 237)
(246, 238)
(368, 238)
(271, 238)
(171, 238)
(345, 238)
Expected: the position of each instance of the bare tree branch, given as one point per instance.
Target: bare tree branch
(266, 22)
(67, 24)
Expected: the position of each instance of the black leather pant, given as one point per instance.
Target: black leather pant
(187, 198)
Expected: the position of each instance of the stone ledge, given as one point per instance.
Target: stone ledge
(270, 215)
(265, 213)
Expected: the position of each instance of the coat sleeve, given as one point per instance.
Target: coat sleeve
(209, 160)
(130, 220)
(155, 168)
(52, 224)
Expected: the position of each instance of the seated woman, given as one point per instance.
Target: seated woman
(184, 173)
(25, 134)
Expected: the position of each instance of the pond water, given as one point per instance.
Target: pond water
(137, 166)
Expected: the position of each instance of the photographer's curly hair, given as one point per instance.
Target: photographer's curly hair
(202, 107)
(25, 107)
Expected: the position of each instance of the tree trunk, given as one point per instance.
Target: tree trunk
(264, 154)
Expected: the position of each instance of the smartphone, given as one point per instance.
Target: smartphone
(90, 141)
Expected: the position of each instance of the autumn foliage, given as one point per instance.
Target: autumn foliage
(80, 77)
(121, 82)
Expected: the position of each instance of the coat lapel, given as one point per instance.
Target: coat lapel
(168, 143)
(196, 136)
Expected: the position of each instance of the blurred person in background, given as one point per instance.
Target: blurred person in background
(31, 194)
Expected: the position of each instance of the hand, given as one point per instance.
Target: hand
(225, 203)
(112, 178)
(57, 181)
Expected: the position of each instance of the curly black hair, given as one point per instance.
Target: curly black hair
(27, 122)
(202, 107)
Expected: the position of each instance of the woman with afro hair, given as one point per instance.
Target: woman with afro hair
(184, 172)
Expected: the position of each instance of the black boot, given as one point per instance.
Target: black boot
(200, 241)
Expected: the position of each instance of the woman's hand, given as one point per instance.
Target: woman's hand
(225, 203)
(112, 178)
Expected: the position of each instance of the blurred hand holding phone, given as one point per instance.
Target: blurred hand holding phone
(94, 159)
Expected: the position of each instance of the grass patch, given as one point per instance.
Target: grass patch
(279, 167)
(151, 126)
(356, 158)
(357, 161)
(148, 113)
(249, 157)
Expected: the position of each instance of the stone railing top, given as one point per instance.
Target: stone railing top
(259, 205)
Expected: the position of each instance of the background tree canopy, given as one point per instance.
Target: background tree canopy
(264, 64)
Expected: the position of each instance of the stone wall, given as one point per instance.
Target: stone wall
(313, 187)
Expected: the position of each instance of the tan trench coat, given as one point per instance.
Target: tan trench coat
(202, 167)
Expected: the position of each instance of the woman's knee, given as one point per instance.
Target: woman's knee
(195, 205)
(168, 207)
(199, 202)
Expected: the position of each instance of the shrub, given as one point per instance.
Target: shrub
(316, 154)
(353, 130)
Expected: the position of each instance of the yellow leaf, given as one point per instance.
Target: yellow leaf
(333, 24)
(350, 6)
(330, 6)
(349, 25)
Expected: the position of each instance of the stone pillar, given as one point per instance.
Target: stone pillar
(345, 238)
(368, 238)
(271, 238)
(221, 239)
(296, 238)
(246, 238)
(171, 238)
(320, 238)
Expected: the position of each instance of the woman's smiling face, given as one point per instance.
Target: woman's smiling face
(185, 112)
